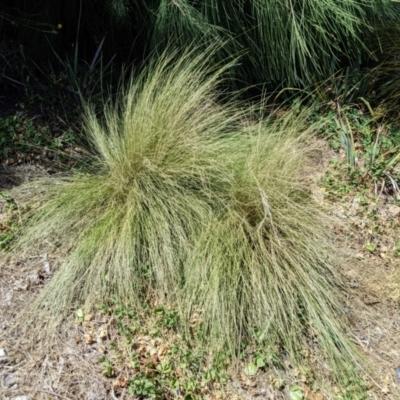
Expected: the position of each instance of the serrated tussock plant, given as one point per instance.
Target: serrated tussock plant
(286, 42)
(201, 205)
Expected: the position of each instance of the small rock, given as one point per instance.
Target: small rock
(46, 267)
(20, 398)
(9, 381)
(34, 278)
(3, 357)
(46, 264)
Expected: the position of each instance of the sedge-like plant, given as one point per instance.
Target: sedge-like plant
(201, 205)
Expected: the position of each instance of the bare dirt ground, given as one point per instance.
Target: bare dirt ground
(67, 366)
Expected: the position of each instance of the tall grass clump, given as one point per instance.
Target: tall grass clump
(201, 205)
(385, 76)
(286, 42)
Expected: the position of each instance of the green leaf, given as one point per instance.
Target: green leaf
(251, 369)
(80, 314)
(296, 393)
(165, 367)
(159, 311)
(260, 362)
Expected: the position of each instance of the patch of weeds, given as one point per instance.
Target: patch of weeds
(20, 134)
(354, 389)
(148, 357)
(261, 356)
(371, 147)
(340, 181)
(108, 369)
(370, 247)
(143, 387)
(7, 234)
(9, 223)
(154, 359)
(397, 250)
(167, 318)
(24, 139)
(68, 138)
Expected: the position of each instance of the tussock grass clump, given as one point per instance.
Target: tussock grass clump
(385, 76)
(200, 205)
(286, 42)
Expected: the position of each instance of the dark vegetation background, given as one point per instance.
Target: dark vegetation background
(56, 55)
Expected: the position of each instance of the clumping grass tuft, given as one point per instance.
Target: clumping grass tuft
(285, 42)
(196, 203)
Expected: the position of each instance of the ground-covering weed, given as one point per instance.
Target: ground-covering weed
(371, 148)
(27, 140)
(150, 358)
(354, 388)
(9, 223)
(19, 134)
(202, 205)
(397, 250)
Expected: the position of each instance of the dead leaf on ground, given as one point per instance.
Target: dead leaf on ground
(103, 334)
(121, 381)
(102, 349)
(88, 317)
(311, 395)
(89, 339)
